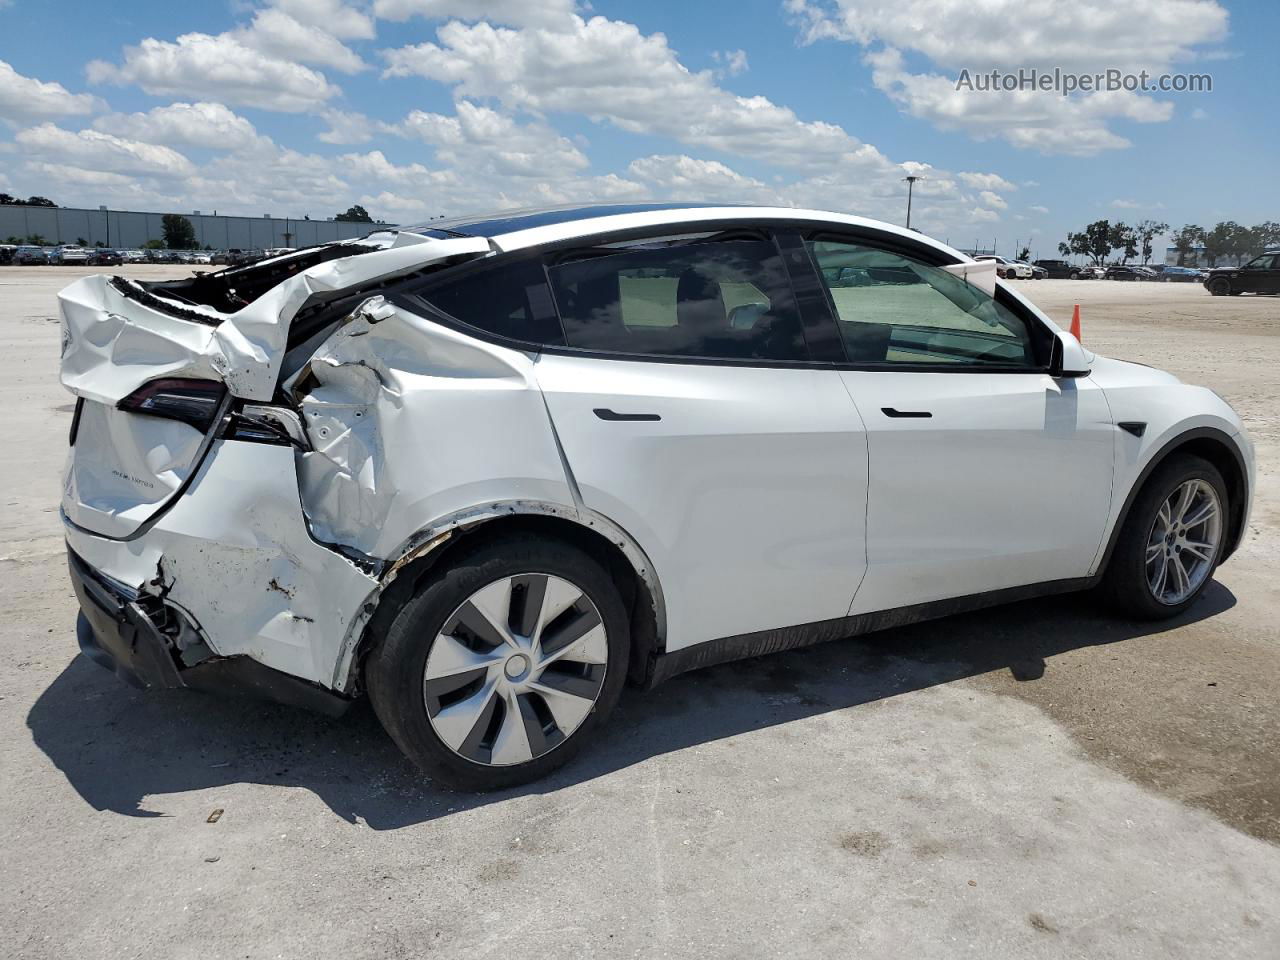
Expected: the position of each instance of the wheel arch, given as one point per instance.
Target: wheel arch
(1209, 443)
(621, 556)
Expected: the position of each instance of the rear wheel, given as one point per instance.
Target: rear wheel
(500, 668)
(1171, 541)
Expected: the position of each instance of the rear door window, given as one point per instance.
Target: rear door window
(510, 300)
(714, 299)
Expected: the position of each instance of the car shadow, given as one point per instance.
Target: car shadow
(119, 747)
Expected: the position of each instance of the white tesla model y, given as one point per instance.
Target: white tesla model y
(487, 470)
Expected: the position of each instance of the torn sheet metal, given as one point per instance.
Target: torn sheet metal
(978, 273)
(235, 554)
(112, 344)
(393, 405)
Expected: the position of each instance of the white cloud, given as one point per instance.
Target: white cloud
(24, 99)
(332, 16)
(985, 181)
(198, 63)
(94, 150)
(1126, 205)
(276, 34)
(1199, 113)
(735, 61)
(1039, 209)
(1088, 36)
(992, 200)
(683, 177)
(516, 13)
(484, 142)
(345, 127)
(202, 124)
(978, 215)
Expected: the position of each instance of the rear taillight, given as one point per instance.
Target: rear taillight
(195, 402)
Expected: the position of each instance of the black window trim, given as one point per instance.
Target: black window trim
(816, 312)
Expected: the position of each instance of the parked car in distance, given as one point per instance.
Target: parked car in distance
(134, 256)
(7, 250)
(70, 255)
(1037, 272)
(1175, 274)
(105, 257)
(1058, 269)
(1259, 275)
(1008, 269)
(1123, 272)
(30, 256)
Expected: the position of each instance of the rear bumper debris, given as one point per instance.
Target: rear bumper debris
(121, 631)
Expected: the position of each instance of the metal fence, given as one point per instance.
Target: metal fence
(130, 229)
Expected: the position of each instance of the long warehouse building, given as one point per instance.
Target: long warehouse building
(130, 229)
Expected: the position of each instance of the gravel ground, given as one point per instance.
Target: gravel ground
(1034, 781)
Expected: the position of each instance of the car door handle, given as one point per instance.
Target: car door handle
(913, 414)
(604, 413)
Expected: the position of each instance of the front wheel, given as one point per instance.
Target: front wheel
(1171, 541)
(501, 667)
(1220, 286)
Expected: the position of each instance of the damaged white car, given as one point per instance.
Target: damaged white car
(485, 471)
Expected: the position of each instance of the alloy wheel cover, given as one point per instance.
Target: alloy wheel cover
(516, 669)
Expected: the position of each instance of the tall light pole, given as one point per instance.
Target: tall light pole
(911, 183)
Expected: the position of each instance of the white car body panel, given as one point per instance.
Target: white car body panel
(411, 422)
(722, 492)
(765, 497)
(1007, 483)
(235, 553)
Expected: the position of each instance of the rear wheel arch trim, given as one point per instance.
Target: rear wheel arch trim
(428, 541)
(1189, 438)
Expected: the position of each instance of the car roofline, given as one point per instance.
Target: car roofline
(641, 219)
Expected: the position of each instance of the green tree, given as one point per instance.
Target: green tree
(153, 245)
(1065, 250)
(1265, 236)
(355, 214)
(6, 199)
(1147, 231)
(1186, 240)
(1095, 241)
(40, 202)
(1218, 242)
(1024, 254)
(179, 234)
(36, 240)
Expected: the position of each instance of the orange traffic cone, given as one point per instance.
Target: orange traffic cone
(1075, 322)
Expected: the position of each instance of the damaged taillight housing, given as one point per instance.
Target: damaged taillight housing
(194, 402)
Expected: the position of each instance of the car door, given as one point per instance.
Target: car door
(692, 414)
(985, 472)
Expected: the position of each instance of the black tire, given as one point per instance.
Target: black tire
(1125, 582)
(1075, 275)
(1219, 286)
(395, 669)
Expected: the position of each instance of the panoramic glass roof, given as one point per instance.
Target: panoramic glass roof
(509, 221)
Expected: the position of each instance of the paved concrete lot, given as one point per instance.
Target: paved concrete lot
(1035, 781)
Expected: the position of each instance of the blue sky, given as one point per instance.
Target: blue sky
(424, 107)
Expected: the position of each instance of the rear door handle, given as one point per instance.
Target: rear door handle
(914, 414)
(604, 413)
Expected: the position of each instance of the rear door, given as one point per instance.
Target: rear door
(985, 472)
(691, 413)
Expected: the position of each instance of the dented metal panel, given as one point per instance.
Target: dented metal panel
(113, 344)
(411, 421)
(236, 555)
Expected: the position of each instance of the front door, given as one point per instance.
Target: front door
(984, 471)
